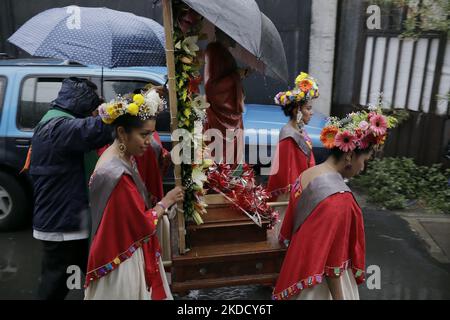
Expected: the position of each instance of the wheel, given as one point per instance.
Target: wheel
(13, 203)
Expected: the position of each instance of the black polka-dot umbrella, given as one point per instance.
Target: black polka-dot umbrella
(93, 36)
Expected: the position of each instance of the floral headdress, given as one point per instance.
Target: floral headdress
(306, 88)
(145, 105)
(359, 130)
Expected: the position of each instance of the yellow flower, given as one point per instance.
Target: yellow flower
(283, 99)
(110, 110)
(138, 99)
(302, 76)
(187, 122)
(133, 109)
(302, 94)
(187, 112)
(311, 93)
(108, 120)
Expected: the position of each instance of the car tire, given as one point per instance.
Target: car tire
(13, 203)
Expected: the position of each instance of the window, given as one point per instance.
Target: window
(36, 96)
(2, 92)
(113, 87)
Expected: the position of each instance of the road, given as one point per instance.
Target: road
(407, 271)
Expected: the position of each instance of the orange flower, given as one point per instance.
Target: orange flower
(305, 85)
(328, 135)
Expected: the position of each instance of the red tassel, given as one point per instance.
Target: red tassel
(26, 166)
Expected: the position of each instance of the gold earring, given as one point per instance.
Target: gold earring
(122, 148)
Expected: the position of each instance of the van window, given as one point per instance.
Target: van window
(114, 87)
(36, 96)
(2, 92)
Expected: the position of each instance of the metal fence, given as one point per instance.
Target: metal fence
(408, 73)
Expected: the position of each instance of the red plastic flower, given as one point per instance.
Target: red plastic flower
(345, 141)
(378, 124)
(193, 84)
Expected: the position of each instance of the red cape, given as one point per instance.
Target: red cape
(150, 168)
(330, 240)
(291, 163)
(126, 225)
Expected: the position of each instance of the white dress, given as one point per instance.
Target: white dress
(321, 291)
(127, 282)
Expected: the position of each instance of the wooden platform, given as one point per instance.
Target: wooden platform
(227, 250)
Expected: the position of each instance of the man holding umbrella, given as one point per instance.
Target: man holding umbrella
(60, 145)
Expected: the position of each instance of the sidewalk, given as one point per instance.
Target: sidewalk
(433, 229)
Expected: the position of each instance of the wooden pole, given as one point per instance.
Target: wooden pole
(170, 60)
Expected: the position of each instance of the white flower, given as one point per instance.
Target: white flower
(189, 45)
(371, 107)
(153, 102)
(200, 102)
(198, 176)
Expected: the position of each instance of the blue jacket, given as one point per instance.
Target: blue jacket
(57, 167)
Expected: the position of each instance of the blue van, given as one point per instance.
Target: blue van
(27, 86)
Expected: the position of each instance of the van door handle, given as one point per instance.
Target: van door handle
(23, 142)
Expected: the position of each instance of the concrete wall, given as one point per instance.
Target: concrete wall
(349, 28)
(321, 52)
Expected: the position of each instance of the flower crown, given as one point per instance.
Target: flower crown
(306, 88)
(358, 130)
(145, 105)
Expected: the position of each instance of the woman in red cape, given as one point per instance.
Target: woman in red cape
(294, 150)
(323, 226)
(124, 258)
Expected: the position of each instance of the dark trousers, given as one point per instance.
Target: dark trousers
(57, 257)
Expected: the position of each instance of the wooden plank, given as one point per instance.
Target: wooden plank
(170, 59)
(225, 233)
(265, 279)
(424, 75)
(438, 72)
(411, 72)
(223, 213)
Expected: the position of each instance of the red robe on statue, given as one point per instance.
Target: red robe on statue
(329, 241)
(224, 92)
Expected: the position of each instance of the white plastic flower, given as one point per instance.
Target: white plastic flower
(198, 176)
(153, 102)
(371, 107)
(190, 46)
(200, 102)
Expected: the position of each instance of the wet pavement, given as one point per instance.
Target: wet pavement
(407, 270)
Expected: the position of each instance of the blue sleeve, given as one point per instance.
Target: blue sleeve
(81, 135)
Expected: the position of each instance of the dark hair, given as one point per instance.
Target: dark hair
(338, 153)
(289, 108)
(128, 122)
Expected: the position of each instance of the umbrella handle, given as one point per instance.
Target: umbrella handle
(101, 85)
